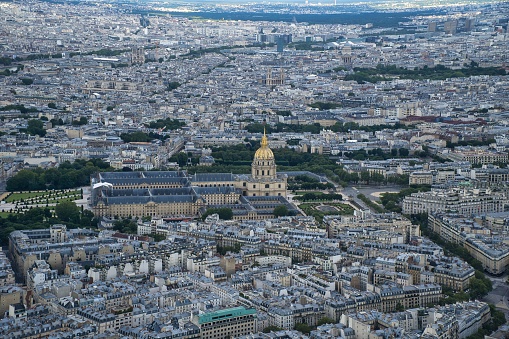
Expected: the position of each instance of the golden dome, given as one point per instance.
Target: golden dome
(264, 152)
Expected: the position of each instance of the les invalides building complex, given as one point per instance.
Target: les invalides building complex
(177, 194)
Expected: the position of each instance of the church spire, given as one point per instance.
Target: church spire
(264, 142)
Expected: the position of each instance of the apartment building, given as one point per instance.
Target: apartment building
(230, 322)
(464, 201)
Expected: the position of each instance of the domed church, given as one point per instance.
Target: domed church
(264, 180)
(175, 193)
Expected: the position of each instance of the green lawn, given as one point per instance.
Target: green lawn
(52, 196)
(4, 214)
(41, 199)
(25, 195)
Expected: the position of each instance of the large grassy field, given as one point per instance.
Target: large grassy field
(43, 196)
(26, 200)
(13, 197)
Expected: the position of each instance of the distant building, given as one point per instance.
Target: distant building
(469, 24)
(138, 56)
(450, 26)
(476, 156)
(273, 79)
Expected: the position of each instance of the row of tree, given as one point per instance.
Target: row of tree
(313, 196)
(306, 182)
(21, 108)
(237, 159)
(35, 218)
(316, 127)
(67, 175)
(392, 201)
(480, 285)
(167, 124)
(377, 154)
(439, 72)
(233, 159)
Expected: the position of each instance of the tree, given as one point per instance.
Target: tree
(325, 320)
(403, 152)
(125, 226)
(135, 137)
(24, 180)
(52, 105)
(158, 237)
(36, 127)
(81, 121)
(271, 328)
(27, 81)
(67, 211)
(173, 85)
(166, 124)
(303, 328)
(479, 288)
(180, 158)
(224, 213)
(88, 219)
(281, 211)
(377, 177)
(57, 122)
(365, 176)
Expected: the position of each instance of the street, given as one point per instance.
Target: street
(369, 191)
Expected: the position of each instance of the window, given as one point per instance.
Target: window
(267, 185)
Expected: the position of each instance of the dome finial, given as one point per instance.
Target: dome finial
(264, 142)
(264, 152)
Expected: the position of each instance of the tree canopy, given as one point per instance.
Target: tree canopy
(281, 211)
(36, 127)
(38, 217)
(439, 72)
(67, 211)
(224, 213)
(67, 175)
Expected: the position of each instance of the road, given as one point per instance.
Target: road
(368, 191)
(499, 297)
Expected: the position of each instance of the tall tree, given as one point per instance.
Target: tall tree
(68, 211)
